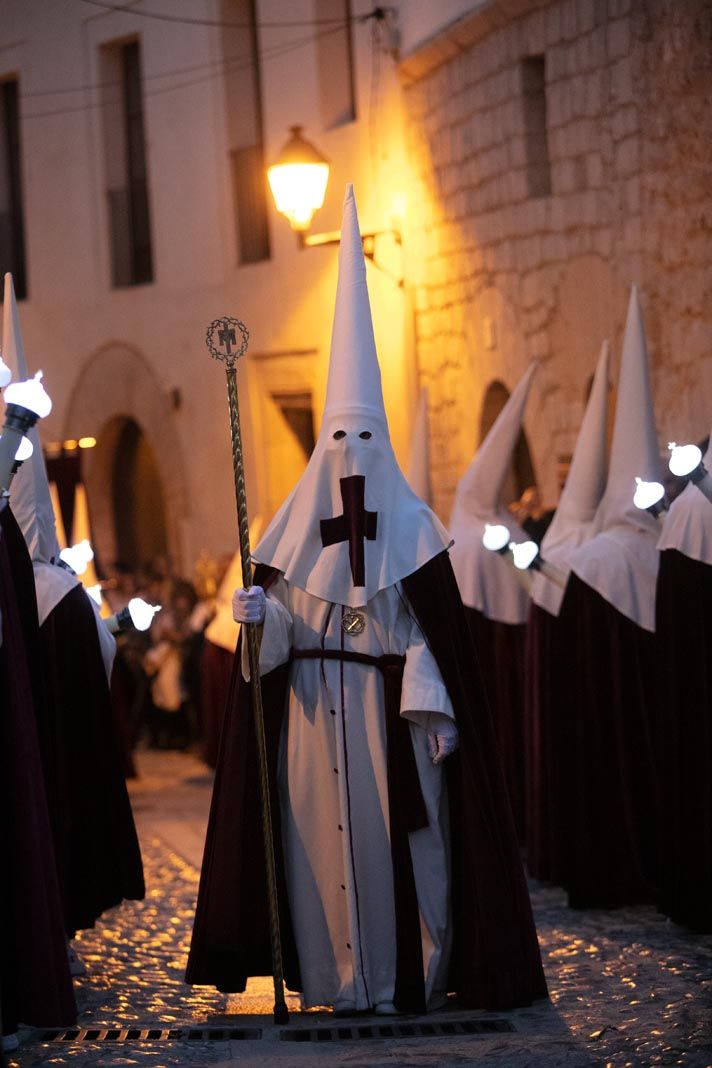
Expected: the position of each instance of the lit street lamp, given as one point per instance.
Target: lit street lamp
(298, 179)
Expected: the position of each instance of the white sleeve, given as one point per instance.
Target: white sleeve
(424, 691)
(276, 632)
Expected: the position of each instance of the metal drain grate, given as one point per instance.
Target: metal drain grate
(403, 1030)
(152, 1034)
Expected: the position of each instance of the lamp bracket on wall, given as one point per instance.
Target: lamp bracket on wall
(368, 240)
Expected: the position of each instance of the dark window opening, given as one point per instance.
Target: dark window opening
(521, 469)
(137, 497)
(129, 213)
(299, 415)
(335, 60)
(12, 230)
(245, 137)
(533, 76)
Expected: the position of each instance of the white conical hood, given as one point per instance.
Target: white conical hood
(419, 463)
(30, 497)
(688, 524)
(479, 489)
(354, 383)
(621, 561)
(573, 520)
(634, 449)
(308, 539)
(487, 581)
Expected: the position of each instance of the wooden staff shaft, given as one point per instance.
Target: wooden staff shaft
(254, 635)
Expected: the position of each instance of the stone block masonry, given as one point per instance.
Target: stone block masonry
(560, 152)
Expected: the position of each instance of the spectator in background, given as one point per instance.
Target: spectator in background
(169, 713)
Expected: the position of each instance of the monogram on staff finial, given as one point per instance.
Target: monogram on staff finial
(221, 339)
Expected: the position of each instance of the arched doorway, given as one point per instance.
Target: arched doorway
(118, 400)
(521, 470)
(137, 497)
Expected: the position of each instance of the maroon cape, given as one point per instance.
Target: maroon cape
(35, 985)
(614, 799)
(495, 960)
(500, 651)
(684, 631)
(550, 712)
(216, 666)
(97, 851)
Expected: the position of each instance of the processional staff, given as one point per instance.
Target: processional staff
(226, 331)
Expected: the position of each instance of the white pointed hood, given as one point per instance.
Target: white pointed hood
(688, 524)
(419, 463)
(573, 520)
(621, 561)
(351, 526)
(30, 496)
(487, 581)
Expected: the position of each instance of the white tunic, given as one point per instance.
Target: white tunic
(334, 797)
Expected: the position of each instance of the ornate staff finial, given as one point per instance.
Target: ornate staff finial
(226, 331)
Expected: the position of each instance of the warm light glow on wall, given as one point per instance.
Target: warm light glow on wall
(70, 444)
(87, 443)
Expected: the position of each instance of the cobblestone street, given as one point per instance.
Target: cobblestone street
(627, 987)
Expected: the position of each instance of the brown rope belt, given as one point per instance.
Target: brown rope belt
(402, 766)
(383, 663)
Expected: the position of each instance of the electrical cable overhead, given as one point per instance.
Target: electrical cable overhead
(276, 52)
(193, 20)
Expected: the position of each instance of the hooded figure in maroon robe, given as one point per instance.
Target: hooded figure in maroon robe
(684, 632)
(95, 843)
(35, 985)
(398, 874)
(551, 655)
(614, 810)
(493, 592)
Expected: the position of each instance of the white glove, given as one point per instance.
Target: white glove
(442, 737)
(249, 606)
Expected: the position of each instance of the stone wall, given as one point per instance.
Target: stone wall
(501, 277)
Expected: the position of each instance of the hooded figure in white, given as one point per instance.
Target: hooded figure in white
(349, 532)
(573, 520)
(31, 500)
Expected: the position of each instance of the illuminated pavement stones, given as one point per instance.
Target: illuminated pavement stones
(628, 988)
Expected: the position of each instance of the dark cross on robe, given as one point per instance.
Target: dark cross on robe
(353, 526)
(226, 337)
